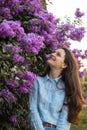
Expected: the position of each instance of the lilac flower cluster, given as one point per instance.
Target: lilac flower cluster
(78, 13)
(22, 82)
(13, 119)
(2, 2)
(77, 33)
(26, 82)
(5, 12)
(77, 53)
(11, 29)
(9, 9)
(68, 31)
(32, 42)
(45, 24)
(12, 49)
(14, 53)
(17, 58)
(8, 96)
(6, 30)
(82, 73)
(80, 55)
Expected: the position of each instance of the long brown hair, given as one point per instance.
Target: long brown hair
(73, 90)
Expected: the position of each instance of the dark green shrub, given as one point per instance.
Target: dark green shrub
(86, 78)
(84, 85)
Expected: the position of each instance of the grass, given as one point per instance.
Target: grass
(83, 123)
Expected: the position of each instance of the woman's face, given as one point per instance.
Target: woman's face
(56, 59)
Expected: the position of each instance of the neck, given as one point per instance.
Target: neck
(54, 73)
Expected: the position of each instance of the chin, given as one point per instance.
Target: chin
(48, 61)
(50, 64)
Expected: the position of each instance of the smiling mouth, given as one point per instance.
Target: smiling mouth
(52, 57)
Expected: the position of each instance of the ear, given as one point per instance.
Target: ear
(64, 65)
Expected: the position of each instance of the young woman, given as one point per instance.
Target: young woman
(56, 98)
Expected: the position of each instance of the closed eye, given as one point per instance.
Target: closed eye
(58, 54)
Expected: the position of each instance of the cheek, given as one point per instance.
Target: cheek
(59, 63)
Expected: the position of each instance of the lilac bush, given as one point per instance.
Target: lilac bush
(28, 34)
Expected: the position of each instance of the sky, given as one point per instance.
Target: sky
(61, 8)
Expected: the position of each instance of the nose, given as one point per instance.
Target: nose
(53, 53)
(53, 56)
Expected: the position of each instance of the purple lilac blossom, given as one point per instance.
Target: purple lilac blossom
(47, 18)
(17, 58)
(2, 2)
(6, 30)
(82, 73)
(8, 96)
(67, 44)
(11, 83)
(16, 49)
(46, 56)
(77, 53)
(11, 29)
(33, 6)
(48, 21)
(32, 42)
(15, 6)
(13, 119)
(12, 49)
(13, 3)
(61, 36)
(78, 13)
(50, 39)
(23, 89)
(18, 75)
(5, 12)
(29, 76)
(26, 82)
(24, 86)
(67, 26)
(77, 33)
(45, 24)
(16, 26)
(63, 32)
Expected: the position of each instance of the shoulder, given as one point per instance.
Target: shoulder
(39, 80)
(37, 83)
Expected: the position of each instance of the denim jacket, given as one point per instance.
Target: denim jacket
(46, 103)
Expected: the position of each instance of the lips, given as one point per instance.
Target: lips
(52, 57)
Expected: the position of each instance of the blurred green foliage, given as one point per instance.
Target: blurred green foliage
(83, 123)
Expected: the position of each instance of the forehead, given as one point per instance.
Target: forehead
(61, 51)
